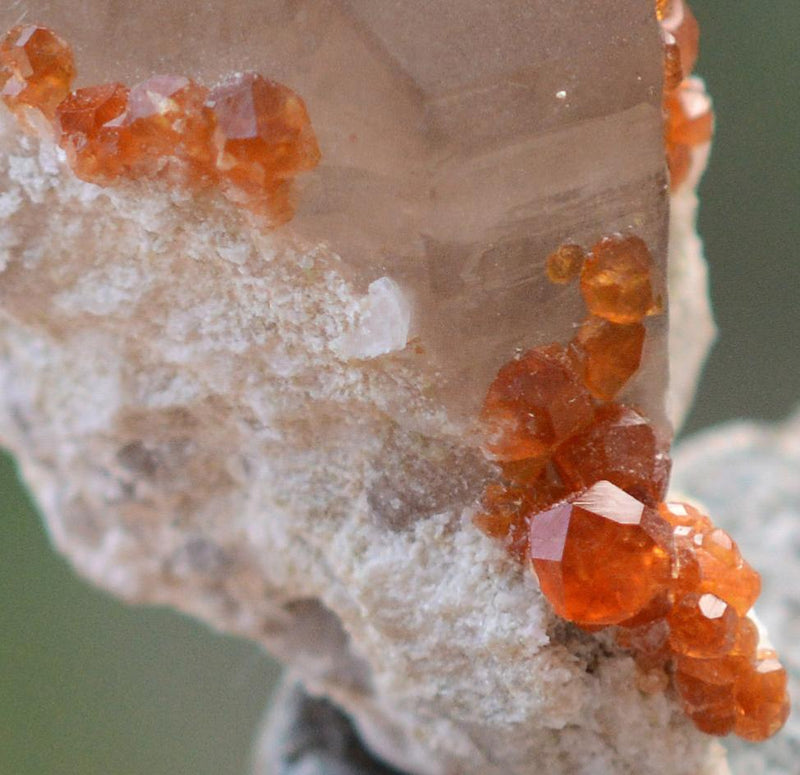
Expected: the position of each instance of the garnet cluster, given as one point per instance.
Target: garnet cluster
(249, 136)
(581, 498)
(688, 118)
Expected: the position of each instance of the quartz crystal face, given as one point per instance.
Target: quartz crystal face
(597, 558)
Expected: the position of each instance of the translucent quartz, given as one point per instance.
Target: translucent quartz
(419, 180)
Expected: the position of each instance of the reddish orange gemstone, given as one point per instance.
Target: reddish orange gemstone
(702, 626)
(682, 24)
(596, 558)
(673, 73)
(679, 162)
(662, 8)
(167, 131)
(90, 133)
(609, 354)
(690, 120)
(564, 263)
(708, 560)
(762, 701)
(654, 611)
(505, 515)
(533, 404)
(615, 281)
(710, 705)
(263, 139)
(680, 514)
(725, 573)
(36, 69)
(621, 447)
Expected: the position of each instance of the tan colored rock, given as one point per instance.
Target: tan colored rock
(275, 431)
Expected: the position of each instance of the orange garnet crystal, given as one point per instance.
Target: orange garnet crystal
(535, 403)
(168, 131)
(599, 557)
(90, 131)
(36, 69)
(263, 139)
(615, 281)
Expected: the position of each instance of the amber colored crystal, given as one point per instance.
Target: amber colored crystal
(505, 515)
(596, 557)
(687, 37)
(725, 573)
(662, 8)
(615, 280)
(263, 139)
(167, 131)
(707, 559)
(621, 447)
(762, 702)
(564, 263)
(710, 705)
(681, 514)
(534, 403)
(679, 162)
(89, 131)
(673, 72)
(36, 69)
(609, 354)
(690, 119)
(702, 625)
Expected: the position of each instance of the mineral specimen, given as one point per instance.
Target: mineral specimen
(277, 430)
(36, 69)
(687, 108)
(612, 552)
(250, 135)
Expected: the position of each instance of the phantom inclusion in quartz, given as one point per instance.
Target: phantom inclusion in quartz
(581, 499)
(249, 136)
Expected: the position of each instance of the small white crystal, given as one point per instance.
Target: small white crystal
(382, 322)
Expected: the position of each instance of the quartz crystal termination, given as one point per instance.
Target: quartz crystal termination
(276, 432)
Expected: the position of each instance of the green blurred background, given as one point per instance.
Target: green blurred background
(90, 687)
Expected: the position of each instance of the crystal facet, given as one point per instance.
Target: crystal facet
(615, 280)
(36, 69)
(596, 557)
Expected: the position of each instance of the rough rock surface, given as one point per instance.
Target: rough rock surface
(274, 431)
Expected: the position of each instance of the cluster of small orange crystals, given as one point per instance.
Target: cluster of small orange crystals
(248, 136)
(581, 498)
(688, 118)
